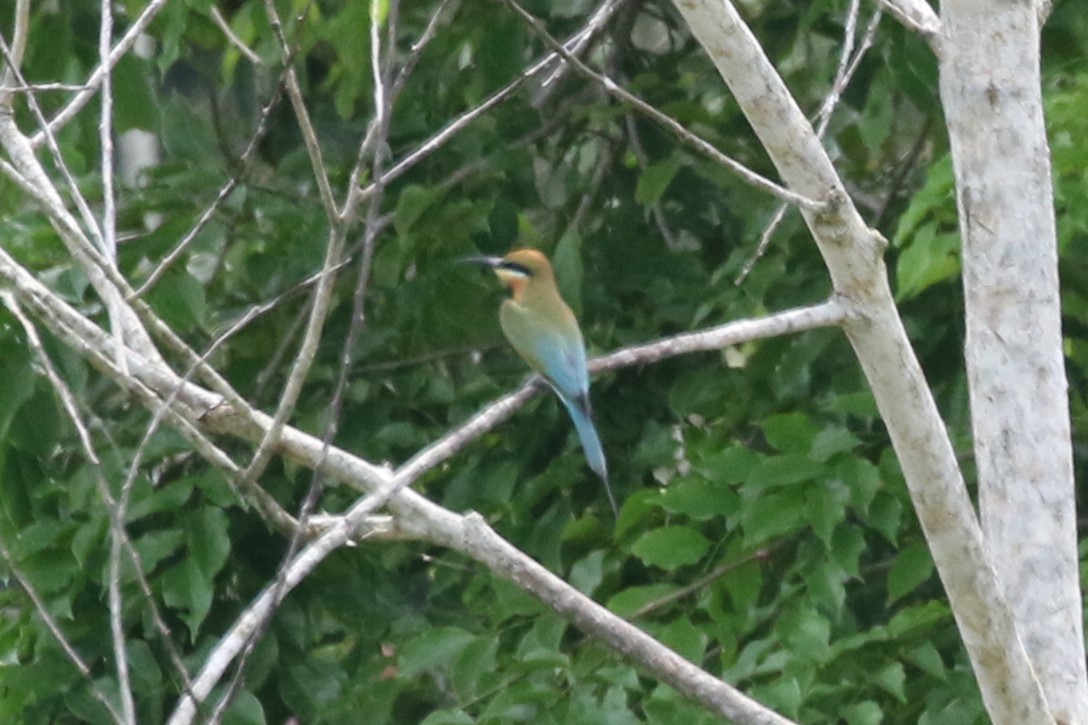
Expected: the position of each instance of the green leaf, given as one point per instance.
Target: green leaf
(825, 507)
(826, 583)
(51, 571)
(744, 585)
(179, 300)
(863, 479)
(168, 497)
(772, 515)
(790, 432)
(892, 678)
(448, 717)
(155, 546)
(587, 573)
(18, 376)
(847, 545)
(671, 547)
(655, 179)
(185, 588)
(699, 500)
(863, 713)
(41, 536)
(806, 632)
(913, 620)
(208, 539)
(87, 538)
(884, 514)
(912, 567)
(783, 695)
(185, 134)
(935, 197)
(926, 658)
(37, 425)
(831, 441)
(733, 465)
(632, 599)
(412, 202)
(931, 257)
(685, 638)
(476, 665)
(246, 709)
(569, 272)
(434, 649)
(135, 105)
(784, 470)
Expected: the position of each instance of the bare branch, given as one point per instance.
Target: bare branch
(442, 137)
(675, 127)
(233, 38)
(224, 192)
(600, 16)
(91, 86)
(302, 116)
(322, 298)
(848, 65)
(416, 51)
(18, 48)
(918, 16)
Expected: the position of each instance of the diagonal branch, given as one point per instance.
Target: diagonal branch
(58, 634)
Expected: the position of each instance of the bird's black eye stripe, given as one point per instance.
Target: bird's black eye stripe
(516, 268)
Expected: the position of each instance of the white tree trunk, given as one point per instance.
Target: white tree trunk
(1009, 686)
(991, 92)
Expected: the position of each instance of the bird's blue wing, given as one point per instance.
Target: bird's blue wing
(555, 351)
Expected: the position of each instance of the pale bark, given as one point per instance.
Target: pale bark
(992, 96)
(853, 254)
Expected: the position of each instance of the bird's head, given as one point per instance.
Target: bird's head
(519, 269)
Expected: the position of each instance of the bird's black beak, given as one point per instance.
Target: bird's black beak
(486, 261)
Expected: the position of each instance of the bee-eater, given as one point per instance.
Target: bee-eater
(543, 330)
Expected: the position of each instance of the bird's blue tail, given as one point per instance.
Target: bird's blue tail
(591, 444)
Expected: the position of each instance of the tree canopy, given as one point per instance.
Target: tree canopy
(766, 533)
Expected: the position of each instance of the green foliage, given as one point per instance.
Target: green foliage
(765, 532)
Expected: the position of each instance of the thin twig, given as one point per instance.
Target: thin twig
(598, 20)
(18, 48)
(442, 137)
(91, 86)
(416, 51)
(702, 582)
(848, 65)
(383, 101)
(901, 173)
(224, 192)
(322, 298)
(54, 149)
(233, 38)
(109, 245)
(58, 634)
(675, 127)
(643, 161)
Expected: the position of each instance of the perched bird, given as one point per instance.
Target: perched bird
(543, 330)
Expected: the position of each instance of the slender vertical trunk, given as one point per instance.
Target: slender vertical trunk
(991, 92)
